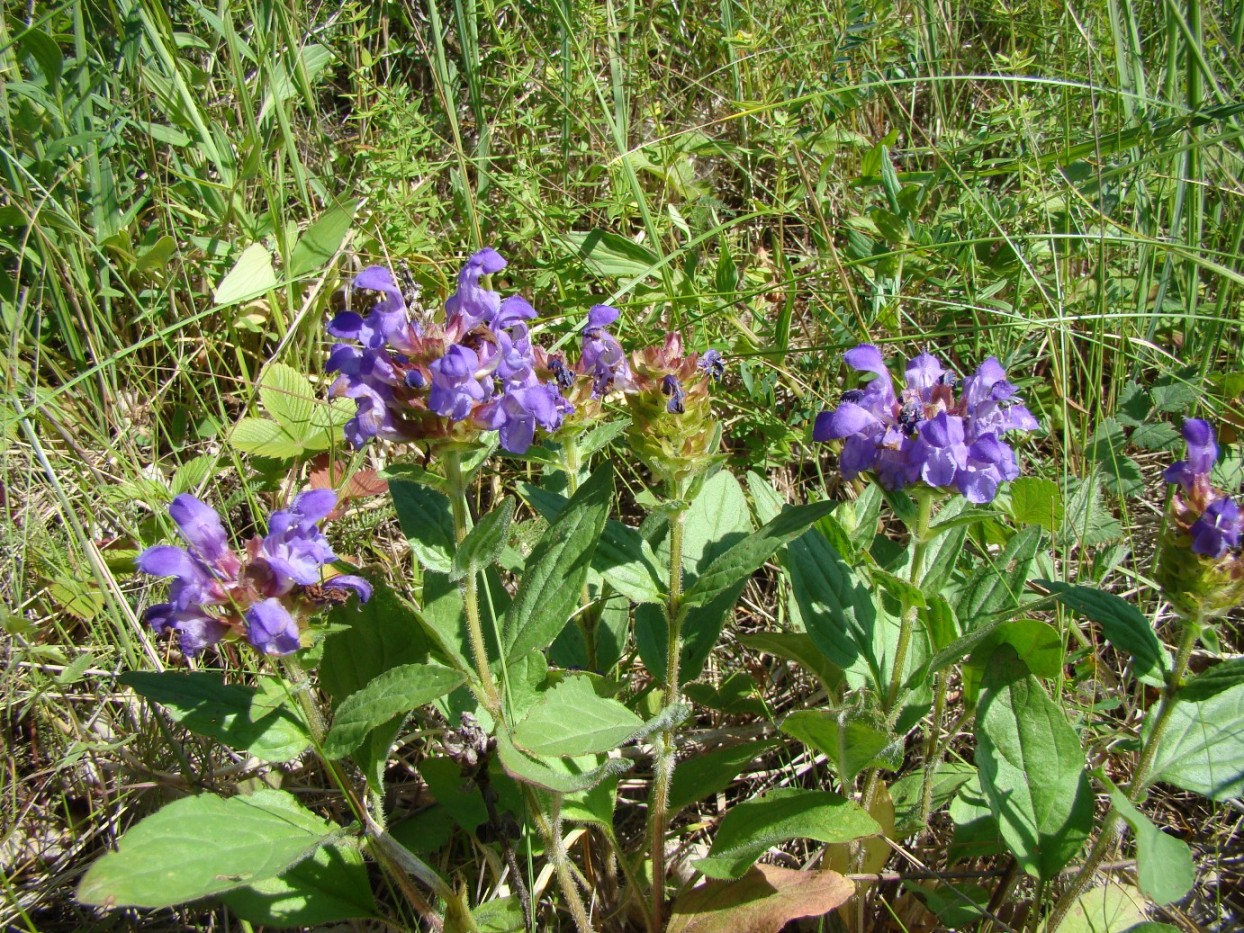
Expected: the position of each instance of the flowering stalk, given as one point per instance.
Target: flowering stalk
(658, 805)
(458, 489)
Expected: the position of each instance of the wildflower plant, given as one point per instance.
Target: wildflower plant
(509, 643)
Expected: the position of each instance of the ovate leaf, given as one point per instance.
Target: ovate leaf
(1163, 863)
(162, 860)
(557, 568)
(241, 717)
(251, 276)
(396, 692)
(427, 522)
(1213, 681)
(1121, 623)
(751, 827)
(1031, 767)
(1202, 749)
(571, 720)
(484, 542)
(320, 242)
(330, 886)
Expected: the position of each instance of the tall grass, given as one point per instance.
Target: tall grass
(1055, 184)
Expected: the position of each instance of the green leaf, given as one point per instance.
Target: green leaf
(561, 775)
(319, 244)
(748, 555)
(330, 886)
(799, 648)
(1031, 768)
(368, 640)
(849, 740)
(557, 568)
(1202, 749)
(1163, 863)
(613, 255)
(905, 793)
(1215, 680)
(288, 397)
(251, 276)
(427, 522)
(999, 582)
(622, 556)
(1037, 501)
(1121, 623)
(1110, 908)
(572, 720)
(484, 543)
(702, 776)
(162, 860)
(837, 608)
(396, 692)
(750, 828)
(265, 438)
(241, 717)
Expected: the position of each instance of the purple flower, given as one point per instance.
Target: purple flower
(926, 434)
(1218, 528)
(471, 304)
(457, 386)
(712, 363)
(1193, 474)
(603, 358)
(387, 323)
(215, 592)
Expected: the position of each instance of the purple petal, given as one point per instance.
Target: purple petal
(200, 526)
(514, 310)
(923, 372)
(377, 279)
(1202, 448)
(358, 585)
(866, 358)
(195, 629)
(859, 454)
(822, 428)
(601, 316)
(314, 504)
(165, 560)
(271, 628)
(487, 260)
(849, 418)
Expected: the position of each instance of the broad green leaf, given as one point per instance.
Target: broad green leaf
(998, 583)
(241, 717)
(613, 255)
(427, 522)
(1213, 681)
(561, 775)
(251, 276)
(837, 608)
(265, 438)
(397, 691)
(1164, 866)
(737, 695)
(752, 827)
(976, 833)
(849, 740)
(288, 397)
(320, 242)
(370, 639)
(557, 568)
(1031, 767)
(799, 648)
(162, 860)
(1121, 623)
(906, 792)
(330, 886)
(594, 805)
(1037, 501)
(702, 776)
(1110, 908)
(500, 915)
(767, 500)
(1202, 749)
(748, 555)
(571, 720)
(622, 557)
(767, 898)
(484, 542)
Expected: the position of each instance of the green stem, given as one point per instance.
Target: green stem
(381, 844)
(470, 585)
(1140, 778)
(551, 830)
(932, 747)
(586, 621)
(658, 804)
(910, 609)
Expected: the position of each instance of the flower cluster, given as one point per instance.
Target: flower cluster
(927, 434)
(476, 370)
(1211, 516)
(672, 427)
(265, 594)
(1200, 567)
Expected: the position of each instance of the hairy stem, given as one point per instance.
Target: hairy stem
(658, 803)
(551, 830)
(470, 584)
(1140, 778)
